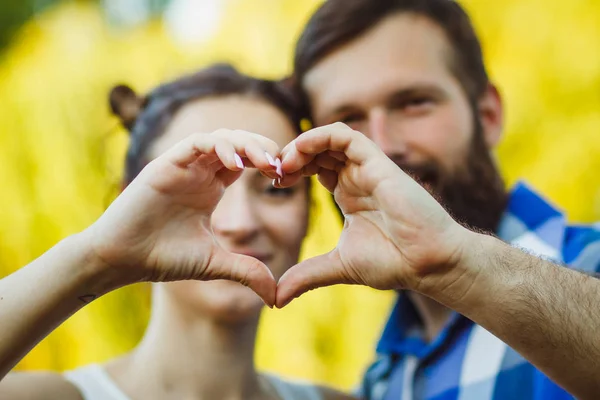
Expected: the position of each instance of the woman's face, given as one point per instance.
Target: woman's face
(252, 217)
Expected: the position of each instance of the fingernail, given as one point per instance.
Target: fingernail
(278, 167)
(238, 161)
(270, 160)
(267, 304)
(288, 301)
(274, 183)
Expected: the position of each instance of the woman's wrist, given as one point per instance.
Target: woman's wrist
(89, 275)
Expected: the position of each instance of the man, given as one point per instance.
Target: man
(409, 74)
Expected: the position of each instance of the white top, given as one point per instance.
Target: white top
(94, 383)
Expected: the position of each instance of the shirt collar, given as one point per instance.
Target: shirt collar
(530, 216)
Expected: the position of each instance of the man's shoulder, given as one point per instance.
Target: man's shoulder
(581, 248)
(533, 222)
(577, 245)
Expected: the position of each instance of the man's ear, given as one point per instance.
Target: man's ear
(491, 115)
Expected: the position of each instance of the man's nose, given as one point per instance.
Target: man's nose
(384, 135)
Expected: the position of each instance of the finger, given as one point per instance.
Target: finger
(337, 137)
(204, 148)
(329, 179)
(208, 159)
(260, 150)
(338, 155)
(289, 180)
(311, 169)
(190, 149)
(323, 270)
(246, 270)
(227, 176)
(260, 158)
(294, 160)
(324, 160)
(228, 155)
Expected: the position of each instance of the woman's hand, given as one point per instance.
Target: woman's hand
(159, 228)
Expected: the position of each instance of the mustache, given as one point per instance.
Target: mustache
(422, 173)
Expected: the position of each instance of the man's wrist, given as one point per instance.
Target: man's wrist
(460, 284)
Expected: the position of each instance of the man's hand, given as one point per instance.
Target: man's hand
(395, 234)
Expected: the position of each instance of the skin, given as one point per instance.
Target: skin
(411, 105)
(176, 221)
(542, 310)
(395, 87)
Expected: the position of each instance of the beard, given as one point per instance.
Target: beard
(474, 193)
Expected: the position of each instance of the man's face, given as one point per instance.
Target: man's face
(394, 84)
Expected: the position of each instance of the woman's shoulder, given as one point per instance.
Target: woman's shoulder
(37, 385)
(300, 390)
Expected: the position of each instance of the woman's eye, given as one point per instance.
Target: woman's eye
(275, 192)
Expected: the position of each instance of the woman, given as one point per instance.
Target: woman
(169, 225)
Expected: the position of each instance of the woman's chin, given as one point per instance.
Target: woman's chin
(225, 301)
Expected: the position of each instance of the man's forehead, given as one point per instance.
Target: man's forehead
(401, 51)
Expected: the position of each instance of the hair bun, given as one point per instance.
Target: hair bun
(125, 104)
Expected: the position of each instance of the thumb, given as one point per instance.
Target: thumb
(246, 270)
(323, 270)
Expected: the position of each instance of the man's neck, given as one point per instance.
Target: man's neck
(433, 314)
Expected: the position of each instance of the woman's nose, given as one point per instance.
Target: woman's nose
(235, 217)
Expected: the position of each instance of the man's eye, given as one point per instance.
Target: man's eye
(351, 118)
(416, 104)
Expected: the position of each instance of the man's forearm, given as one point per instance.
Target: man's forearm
(548, 313)
(38, 297)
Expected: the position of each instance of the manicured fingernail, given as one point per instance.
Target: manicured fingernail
(270, 160)
(278, 167)
(238, 161)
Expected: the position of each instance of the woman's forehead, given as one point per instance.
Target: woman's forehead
(243, 112)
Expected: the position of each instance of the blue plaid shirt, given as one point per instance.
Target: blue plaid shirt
(466, 362)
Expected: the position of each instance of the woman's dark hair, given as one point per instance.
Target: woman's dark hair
(146, 118)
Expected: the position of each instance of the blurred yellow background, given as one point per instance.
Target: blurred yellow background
(61, 153)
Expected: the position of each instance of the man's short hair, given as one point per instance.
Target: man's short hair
(338, 22)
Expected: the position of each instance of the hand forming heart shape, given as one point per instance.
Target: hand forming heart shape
(395, 234)
(159, 228)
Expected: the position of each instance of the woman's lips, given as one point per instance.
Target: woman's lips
(262, 257)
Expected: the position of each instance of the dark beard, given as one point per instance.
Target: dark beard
(474, 194)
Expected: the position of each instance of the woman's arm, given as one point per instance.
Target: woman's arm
(157, 230)
(39, 297)
(37, 386)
